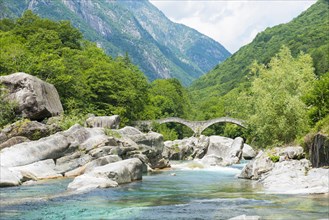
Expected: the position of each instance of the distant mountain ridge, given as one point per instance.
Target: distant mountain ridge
(161, 48)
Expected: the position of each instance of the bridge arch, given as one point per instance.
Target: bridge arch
(187, 123)
(196, 126)
(222, 120)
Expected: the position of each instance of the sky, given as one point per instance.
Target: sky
(232, 23)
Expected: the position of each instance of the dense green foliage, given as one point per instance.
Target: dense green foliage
(230, 90)
(158, 46)
(318, 99)
(308, 33)
(322, 126)
(168, 98)
(7, 108)
(278, 115)
(86, 78)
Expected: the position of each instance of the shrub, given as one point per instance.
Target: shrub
(7, 108)
(274, 158)
(69, 120)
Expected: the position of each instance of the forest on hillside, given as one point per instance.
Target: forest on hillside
(88, 80)
(227, 90)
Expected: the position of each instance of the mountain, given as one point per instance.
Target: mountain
(161, 48)
(308, 33)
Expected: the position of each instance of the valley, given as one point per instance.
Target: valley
(109, 110)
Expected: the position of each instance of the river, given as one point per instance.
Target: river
(186, 192)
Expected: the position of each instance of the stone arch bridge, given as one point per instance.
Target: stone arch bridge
(197, 126)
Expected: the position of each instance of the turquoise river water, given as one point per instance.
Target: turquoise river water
(181, 193)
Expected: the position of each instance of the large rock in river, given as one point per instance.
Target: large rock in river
(186, 149)
(9, 177)
(44, 169)
(296, 177)
(76, 151)
(137, 144)
(281, 170)
(36, 99)
(248, 152)
(110, 175)
(30, 152)
(223, 151)
(51, 147)
(264, 161)
(258, 166)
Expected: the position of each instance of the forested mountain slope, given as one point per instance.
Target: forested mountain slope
(87, 80)
(309, 33)
(161, 48)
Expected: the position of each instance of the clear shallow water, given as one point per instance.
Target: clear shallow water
(190, 194)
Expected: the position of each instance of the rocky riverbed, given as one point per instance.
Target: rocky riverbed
(98, 160)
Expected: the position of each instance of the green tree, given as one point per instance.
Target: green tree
(14, 56)
(168, 98)
(117, 88)
(7, 108)
(279, 115)
(86, 79)
(318, 99)
(308, 33)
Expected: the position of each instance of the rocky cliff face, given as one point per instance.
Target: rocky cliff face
(188, 45)
(319, 150)
(161, 48)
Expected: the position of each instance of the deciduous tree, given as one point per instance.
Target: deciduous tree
(279, 114)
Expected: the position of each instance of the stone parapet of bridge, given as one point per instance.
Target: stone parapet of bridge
(196, 126)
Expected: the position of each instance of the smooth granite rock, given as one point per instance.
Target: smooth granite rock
(13, 141)
(248, 152)
(36, 99)
(9, 177)
(259, 165)
(296, 177)
(109, 175)
(44, 169)
(289, 175)
(34, 151)
(112, 121)
(186, 149)
(226, 148)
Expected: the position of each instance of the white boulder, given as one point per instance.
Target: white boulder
(109, 175)
(44, 169)
(112, 122)
(9, 177)
(229, 150)
(248, 152)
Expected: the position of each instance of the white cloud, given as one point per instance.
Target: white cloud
(232, 23)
